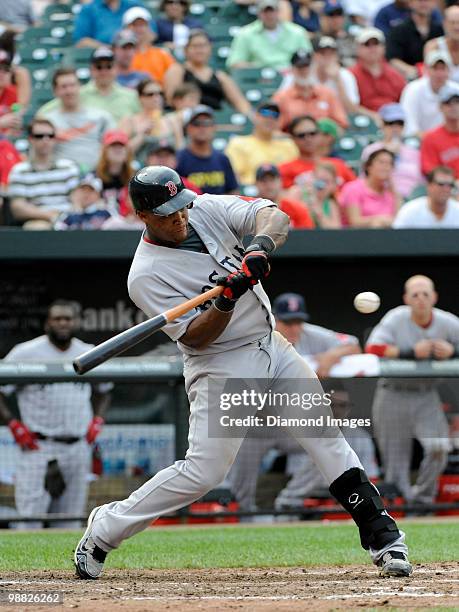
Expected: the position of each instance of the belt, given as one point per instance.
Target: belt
(62, 439)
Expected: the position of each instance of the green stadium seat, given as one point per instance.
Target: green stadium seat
(58, 13)
(78, 57)
(33, 56)
(418, 192)
(230, 12)
(349, 149)
(362, 124)
(232, 122)
(267, 80)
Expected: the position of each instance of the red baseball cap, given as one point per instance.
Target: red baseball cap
(115, 137)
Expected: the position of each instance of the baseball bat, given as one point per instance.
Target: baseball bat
(132, 336)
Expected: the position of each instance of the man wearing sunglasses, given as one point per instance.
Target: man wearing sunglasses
(407, 409)
(191, 244)
(265, 145)
(440, 146)
(438, 209)
(378, 82)
(39, 188)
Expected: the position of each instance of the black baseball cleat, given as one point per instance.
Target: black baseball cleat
(394, 563)
(88, 557)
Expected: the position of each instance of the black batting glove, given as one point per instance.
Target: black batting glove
(235, 285)
(256, 257)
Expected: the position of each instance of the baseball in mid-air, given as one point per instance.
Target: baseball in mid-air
(367, 302)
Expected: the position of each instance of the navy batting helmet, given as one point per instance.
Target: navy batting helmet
(160, 190)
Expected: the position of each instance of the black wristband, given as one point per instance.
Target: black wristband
(261, 242)
(223, 304)
(408, 354)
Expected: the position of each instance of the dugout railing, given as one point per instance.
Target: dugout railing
(163, 377)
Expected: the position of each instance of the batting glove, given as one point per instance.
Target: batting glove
(22, 434)
(94, 429)
(256, 257)
(235, 285)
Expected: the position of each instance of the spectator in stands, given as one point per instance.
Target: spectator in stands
(326, 70)
(392, 15)
(216, 86)
(163, 153)
(89, 210)
(269, 186)
(20, 76)
(175, 25)
(371, 201)
(328, 133)
(305, 16)
(407, 169)
(449, 43)
(184, 98)
(17, 16)
(420, 99)
(304, 98)
(405, 42)
(39, 188)
(124, 49)
(99, 21)
(318, 193)
(438, 209)
(265, 145)
(208, 168)
(148, 58)
(115, 169)
(440, 146)
(267, 41)
(151, 122)
(379, 83)
(102, 91)
(305, 134)
(9, 157)
(79, 128)
(10, 118)
(332, 24)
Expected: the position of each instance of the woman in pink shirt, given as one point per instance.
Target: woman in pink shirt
(371, 201)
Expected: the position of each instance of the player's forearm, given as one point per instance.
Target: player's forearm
(206, 328)
(5, 414)
(274, 223)
(100, 403)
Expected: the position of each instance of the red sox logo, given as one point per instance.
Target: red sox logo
(172, 188)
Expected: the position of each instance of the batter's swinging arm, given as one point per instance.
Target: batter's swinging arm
(132, 336)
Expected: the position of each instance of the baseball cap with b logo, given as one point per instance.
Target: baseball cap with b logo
(290, 307)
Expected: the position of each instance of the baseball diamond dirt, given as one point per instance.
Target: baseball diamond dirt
(433, 585)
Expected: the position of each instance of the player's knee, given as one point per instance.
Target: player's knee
(206, 476)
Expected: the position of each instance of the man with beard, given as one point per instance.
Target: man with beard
(58, 424)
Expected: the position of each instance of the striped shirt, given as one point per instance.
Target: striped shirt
(49, 189)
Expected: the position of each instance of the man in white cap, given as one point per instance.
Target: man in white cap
(267, 41)
(379, 83)
(148, 58)
(420, 99)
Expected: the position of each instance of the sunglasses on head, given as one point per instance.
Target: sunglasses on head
(42, 136)
(449, 184)
(305, 134)
(267, 112)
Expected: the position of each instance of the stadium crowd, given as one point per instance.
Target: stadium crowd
(346, 115)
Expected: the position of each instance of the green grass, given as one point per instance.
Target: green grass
(259, 546)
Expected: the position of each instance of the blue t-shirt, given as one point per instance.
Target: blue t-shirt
(96, 20)
(213, 174)
(391, 15)
(133, 78)
(311, 24)
(166, 28)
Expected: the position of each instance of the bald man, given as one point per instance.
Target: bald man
(449, 43)
(405, 409)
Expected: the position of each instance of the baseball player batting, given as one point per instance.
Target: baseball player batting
(190, 244)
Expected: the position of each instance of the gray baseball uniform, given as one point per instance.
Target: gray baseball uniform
(248, 348)
(57, 409)
(411, 409)
(243, 475)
